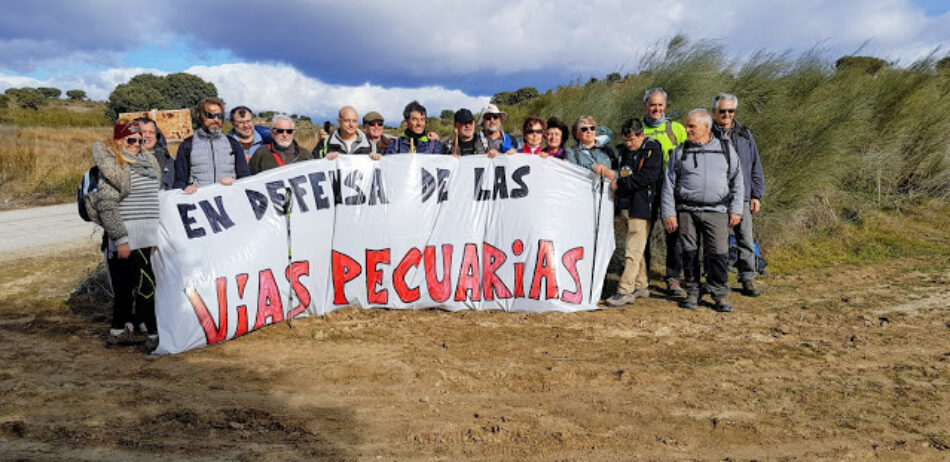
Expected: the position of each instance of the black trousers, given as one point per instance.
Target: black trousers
(674, 248)
(133, 286)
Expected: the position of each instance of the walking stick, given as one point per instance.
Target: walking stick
(288, 206)
(593, 266)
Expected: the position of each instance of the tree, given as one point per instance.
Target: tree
(76, 95)
(447, 116)
(29, 98)
(146, 91)
(50, 92)
(614, 77)
(509, 98)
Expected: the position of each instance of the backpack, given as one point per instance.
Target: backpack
(760, 261)
(88, 185)
(725, 148)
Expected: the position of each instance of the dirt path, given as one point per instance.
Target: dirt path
(848, 364)
(44, 230)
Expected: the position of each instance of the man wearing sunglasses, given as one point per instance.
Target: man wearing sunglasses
(348, 139)
(373, 127)
(726, 127)
(498, 141)
(209, 156)
(282, 151)
(464, 143)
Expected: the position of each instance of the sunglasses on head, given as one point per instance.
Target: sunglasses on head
(214, 115)
(491, 116)
(588, 128)
(377, 123)
(727, 111)
(536, 131)
(281, 131)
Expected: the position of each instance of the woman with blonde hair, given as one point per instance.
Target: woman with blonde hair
(125, 204)
(587, 154)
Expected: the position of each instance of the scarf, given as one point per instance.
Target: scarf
(653, 123)
(140, 165)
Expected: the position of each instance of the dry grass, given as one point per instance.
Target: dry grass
(41, 165)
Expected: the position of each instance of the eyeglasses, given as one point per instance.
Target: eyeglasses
(491, 116)
(243, 123)
(588, 128)
(378, 123)
(281, 131)
(214, 115)
(536, 131)
(727, 111)
(134, 141)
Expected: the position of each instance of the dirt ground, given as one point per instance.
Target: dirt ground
(846, 364)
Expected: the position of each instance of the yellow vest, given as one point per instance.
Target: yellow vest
(662, 135)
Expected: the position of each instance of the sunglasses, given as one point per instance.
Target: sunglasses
(536, 131)
(375, 124)
(281, 131)
(727, 111)
(214, 115)
(491, 116)
(588, 128)
(134, 141)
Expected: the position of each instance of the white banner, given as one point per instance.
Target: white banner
(514, 233)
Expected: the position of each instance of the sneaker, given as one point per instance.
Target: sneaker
(619, 299)
(143, 329)
(151, 343)
(673, 288)
(642, 293)
(690, 302)
(749, 290)
(722, 305)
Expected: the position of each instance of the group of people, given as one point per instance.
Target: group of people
(700, 178)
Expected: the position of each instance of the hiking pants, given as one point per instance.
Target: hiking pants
(745, 242)
(712, 229)
(635, 268)
(674, 251)
(134, 290)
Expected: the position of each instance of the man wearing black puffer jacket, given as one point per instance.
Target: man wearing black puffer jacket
(641, 160)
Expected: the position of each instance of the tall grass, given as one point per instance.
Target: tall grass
(57, 113)
(834, 144)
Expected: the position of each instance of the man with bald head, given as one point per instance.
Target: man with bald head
(702, 198)
(349, 139)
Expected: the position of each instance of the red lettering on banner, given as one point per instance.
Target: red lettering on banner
(269, 305)
(213, 333)
(412, 259)
(517, 247)
(440, 291)
(570, 259)
(544, 270)
(468, 275)
(241, 309)
(492, 259)
(374, 277)
(293, 273)
(344, 269)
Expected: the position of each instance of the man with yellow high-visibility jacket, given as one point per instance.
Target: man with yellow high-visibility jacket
(669, 134)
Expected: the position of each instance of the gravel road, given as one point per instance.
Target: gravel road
(44, 230)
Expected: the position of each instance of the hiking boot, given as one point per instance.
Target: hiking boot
(642, 293)
(673, 288)
(722, 305)
(619, 299)
(151, 343)
(143, 329)
(690, 302)
(749, 290)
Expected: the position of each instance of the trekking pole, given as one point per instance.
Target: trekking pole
(288, 206)
(593, 266)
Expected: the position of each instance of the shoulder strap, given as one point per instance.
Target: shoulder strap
(670, 134)
(280, 161)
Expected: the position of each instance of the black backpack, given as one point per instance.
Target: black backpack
(88, 185)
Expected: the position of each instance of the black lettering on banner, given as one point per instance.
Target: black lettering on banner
(187, 221)
(258, 202)
(275, 191)
(501, 183)
(443, 175)
(376, 192)
(353, 182)
(335, 182)
(299, 192)
(480, 194)
(428, 184)
(218, 218)
(319, 196)
(518, 177)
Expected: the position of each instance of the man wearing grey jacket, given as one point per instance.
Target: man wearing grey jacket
(209, 156)
(702, 197)
(726, 127)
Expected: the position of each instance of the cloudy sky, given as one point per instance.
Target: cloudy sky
(313, 56)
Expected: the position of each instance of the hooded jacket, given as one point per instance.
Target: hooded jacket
(115, 183)
(637, 178)
(360, 145)
(699, 178)
(752, 175)
(205, 158)
(402, 145)
(263, 158)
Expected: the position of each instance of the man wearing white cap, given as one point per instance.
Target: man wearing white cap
(496, 139)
